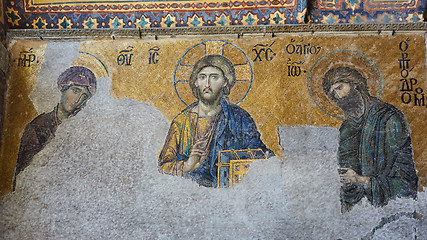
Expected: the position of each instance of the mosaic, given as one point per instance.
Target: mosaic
(367, 11)
(2, 22)
(46, 14)
(225, 100)
(55, 14)
(40, 14)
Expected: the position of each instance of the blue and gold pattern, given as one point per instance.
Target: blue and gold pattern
(63, 14)
(66, 14)
(367, 11)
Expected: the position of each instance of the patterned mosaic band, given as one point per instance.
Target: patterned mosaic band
(115, 14)
(54, 14)
(367, 11)
(127, 6)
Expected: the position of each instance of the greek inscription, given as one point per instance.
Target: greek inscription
(406, 98)
(154, 53)
(125, 57)
(404, 73)
(263, 51)
(419, 97)
(26, 58)
(403, 46)
(294, 68)
(294, 71)
(419, 100)
(404, 61)
(407, 85)
(302, 48)
(410, 92)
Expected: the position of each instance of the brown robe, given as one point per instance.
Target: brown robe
(36, 135)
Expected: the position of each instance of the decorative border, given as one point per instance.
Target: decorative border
(329, 4)
(238, 31)
(132, 6)
(381, 5)
(367, 11)
(24, 14)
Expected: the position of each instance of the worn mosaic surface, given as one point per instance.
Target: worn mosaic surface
(41, 14)
(324, 110)
(367, 11)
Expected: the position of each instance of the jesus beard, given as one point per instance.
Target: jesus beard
(215, 95)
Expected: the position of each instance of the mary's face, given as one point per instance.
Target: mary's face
(209, 82)
(73, 98)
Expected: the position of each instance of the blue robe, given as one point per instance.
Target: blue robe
(379, 147)
(234, 129)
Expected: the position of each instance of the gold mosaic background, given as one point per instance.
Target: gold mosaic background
(276, 97)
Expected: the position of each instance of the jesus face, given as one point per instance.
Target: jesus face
(209, 83)
(73, 98)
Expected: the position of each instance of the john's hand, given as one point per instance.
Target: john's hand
(349, 175)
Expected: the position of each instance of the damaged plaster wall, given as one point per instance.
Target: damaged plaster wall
(45, 93)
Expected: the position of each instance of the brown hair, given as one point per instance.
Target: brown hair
(344, 75)
(217, 61)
